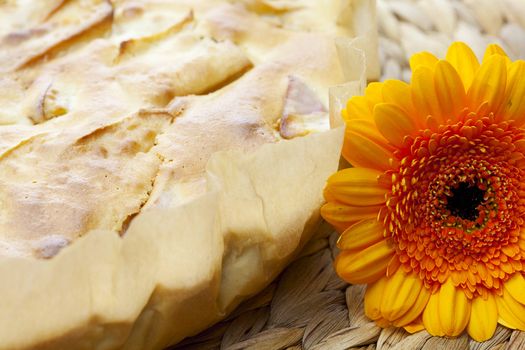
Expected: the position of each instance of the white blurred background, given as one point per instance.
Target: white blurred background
(410, 26)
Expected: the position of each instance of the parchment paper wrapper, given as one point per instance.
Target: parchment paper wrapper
(178, 270)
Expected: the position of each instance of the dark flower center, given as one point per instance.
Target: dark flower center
(464, 201)
(457, 205)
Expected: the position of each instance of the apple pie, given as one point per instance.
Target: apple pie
(161, 160)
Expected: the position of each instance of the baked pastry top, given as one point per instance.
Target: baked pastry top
(115, 107)
(160, 160)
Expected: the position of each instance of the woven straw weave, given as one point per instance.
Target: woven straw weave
(308, 306)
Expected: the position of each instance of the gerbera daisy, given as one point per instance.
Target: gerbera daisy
(432, 213)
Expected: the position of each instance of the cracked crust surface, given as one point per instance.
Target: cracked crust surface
(235, 73)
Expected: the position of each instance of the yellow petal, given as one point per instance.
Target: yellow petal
(494, 49)
(361, 235)
(394, 123)
(367, 128)
(422, 59)
(344, 115)
(365, 266)
(454, 309)
(516, 287)
(483, 318)
(449, 90)
(358, 108)
(398, 93)
(357, 186)
(424, 96)
(373, 94)
(510, 312)
(416, 310)
(328, 196)
(464, 61)
(365, 147)
(489, 84)
(414, 327)
(513, 107)
(400, 293)
(431, 316)
(342, 215)
(373, 297)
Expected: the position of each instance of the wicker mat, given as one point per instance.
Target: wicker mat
(308, 306)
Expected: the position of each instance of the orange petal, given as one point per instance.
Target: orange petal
(363, 147)
(415, 326)
(342, 215)
(516, 287)
(381, 322)
(483, 318)
(340, 228)
(357, 186)
(511, 313)
(424, 96)
(328, 196)
(361, 235)
(422, 59)
(489, 84)
(449, 90)
(400, 293)
(365, 266)
(373, 297)
(463, 59)
(394, 123)
(513, 107)
(454, 309)
(431, 316)
(394, 263)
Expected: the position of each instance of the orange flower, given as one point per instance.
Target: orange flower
(432, 213)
